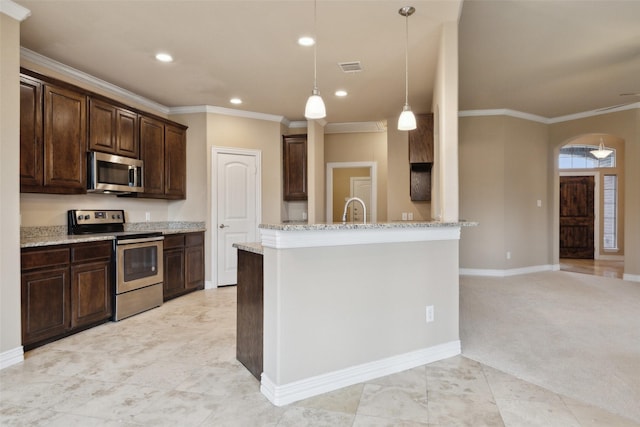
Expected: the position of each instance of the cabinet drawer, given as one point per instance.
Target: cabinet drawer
(91, 251)
(194, 239)
(174, 241)
(31, 259)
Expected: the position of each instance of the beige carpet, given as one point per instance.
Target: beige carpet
(572, 333)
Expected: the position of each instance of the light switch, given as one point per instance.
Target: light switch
(539, 202)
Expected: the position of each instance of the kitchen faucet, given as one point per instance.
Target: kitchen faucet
(356, 199)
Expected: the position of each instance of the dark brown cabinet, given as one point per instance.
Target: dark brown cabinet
(64, 289)
(183, 264)
(31, 142)
(164, 152)
(250, 309)
(294, 149)
(53, 138)
(421, 158)
(91, 283)
(112, 129)
(421, 140)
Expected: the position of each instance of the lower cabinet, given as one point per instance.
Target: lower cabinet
(64, 289)
(183, 264)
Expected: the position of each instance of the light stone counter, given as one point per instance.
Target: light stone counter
(57, 235)
(254, 247)
(370, 226)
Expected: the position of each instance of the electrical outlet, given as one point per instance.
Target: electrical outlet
(404, 216)
(430, 316)
(410, 216)
(539, 203)
(508, 254)
(147, 216)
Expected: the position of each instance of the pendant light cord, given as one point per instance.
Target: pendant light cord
(406, 61)
(315, 45)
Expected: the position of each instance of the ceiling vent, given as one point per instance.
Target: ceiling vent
(350, 67)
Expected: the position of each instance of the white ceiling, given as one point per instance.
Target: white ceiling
(549, 58)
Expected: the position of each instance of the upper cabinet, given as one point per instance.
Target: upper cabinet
(294, 149)
(53, 138)
(112, 129)
(60, 122)
(421, 140)
(164, 153)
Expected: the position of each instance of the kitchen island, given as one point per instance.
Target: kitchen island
(346, 303)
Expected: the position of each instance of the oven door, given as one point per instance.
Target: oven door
(139, 263)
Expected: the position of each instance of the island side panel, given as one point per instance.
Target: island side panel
(250, 311)
(335, 307)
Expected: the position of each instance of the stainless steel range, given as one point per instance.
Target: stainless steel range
(138, 262)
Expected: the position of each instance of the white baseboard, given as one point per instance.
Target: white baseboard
(11, 357)
(507, 273)
(281, 395)
(631, 277)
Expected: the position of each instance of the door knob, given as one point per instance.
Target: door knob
(223, 226)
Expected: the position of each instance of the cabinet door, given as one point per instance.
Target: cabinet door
(45, 304)
(31, 144)
(173, 272)
(127, 133)
(152, 153)
(65, 140)
(102, 126)
(421, 140)
(175, 162)
(194, 267)
(91, 293)
(295, 167)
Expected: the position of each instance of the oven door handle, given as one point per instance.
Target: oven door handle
(141, 240)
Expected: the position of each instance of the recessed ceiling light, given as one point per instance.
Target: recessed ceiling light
(164, 57)
(306, 41)
(235, 101)
(341, 93)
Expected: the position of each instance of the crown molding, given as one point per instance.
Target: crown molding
(356, 127)
(228, 112)
(503, 112)
(545, 120)
(71, 72)
(14, 10)
(594, 113)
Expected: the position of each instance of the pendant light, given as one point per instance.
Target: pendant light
(315, 108)
(601, 152)
(406, 121)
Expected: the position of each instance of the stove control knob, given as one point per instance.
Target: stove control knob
(86, 217)
(113, 217)
(79, 217)
(118, 216)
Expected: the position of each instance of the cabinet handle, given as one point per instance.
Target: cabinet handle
(223, 226)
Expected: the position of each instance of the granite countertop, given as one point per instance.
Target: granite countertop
(56, 235)
(254, 247)
(371, 226)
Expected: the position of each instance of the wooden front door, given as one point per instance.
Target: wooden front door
(577, 216)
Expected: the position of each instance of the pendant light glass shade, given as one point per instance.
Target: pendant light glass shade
(406, 121)
(601, 152)
(315, 108)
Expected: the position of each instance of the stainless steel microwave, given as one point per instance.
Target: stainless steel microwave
(108, 173)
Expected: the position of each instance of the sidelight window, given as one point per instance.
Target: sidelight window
(610, 212)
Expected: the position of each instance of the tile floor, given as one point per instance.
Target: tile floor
(175, 366)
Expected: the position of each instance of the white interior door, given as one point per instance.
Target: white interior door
(237, 210)
(361, 188)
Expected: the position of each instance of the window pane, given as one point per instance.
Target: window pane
(580, 157)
